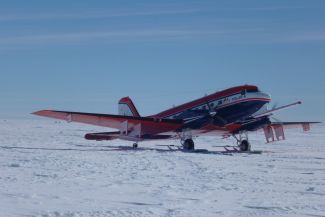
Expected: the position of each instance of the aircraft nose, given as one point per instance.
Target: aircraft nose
(266, 96)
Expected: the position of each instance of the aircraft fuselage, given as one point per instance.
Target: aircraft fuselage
(228, 106)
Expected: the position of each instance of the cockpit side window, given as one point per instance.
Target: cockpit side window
(252, 90)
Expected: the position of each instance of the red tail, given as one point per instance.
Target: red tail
(127, 108)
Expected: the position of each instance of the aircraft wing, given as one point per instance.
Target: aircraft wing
(275, 130)
(129, 126)
(304, 124)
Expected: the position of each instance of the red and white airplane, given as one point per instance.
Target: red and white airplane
(231, 112)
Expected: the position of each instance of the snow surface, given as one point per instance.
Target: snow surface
(48, 169)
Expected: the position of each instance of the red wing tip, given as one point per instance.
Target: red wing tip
(36, 113)
(40, 113)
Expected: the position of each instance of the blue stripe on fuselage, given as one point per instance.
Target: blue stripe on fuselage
(230, 113)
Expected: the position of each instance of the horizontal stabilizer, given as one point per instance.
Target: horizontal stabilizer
(102, 136)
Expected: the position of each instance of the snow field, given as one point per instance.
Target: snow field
(48, 169)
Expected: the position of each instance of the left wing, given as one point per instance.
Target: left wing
(127, 125)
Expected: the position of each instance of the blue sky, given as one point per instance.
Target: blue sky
(85, 55)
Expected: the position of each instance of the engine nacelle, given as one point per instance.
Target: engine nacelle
(253, 125)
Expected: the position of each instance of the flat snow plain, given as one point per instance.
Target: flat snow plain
(48, 169)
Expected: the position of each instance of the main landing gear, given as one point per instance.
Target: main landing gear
(135, 145)
(186, 140)
(188, 144)
(242, 141)
(244, 145)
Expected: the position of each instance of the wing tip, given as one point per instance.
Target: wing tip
(40, 112)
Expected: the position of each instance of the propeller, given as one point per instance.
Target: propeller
(274, 118)
(274, 105)
(205, 117)
(215, 118)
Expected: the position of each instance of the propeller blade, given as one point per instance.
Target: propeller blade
(274, 105)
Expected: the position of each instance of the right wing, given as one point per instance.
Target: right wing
(275, 130)
(304, 124)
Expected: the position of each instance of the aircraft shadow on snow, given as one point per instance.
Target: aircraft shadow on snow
(108, 148)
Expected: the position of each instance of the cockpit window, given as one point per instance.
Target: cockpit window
(252, 90)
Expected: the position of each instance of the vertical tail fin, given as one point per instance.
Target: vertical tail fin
(127, 108)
